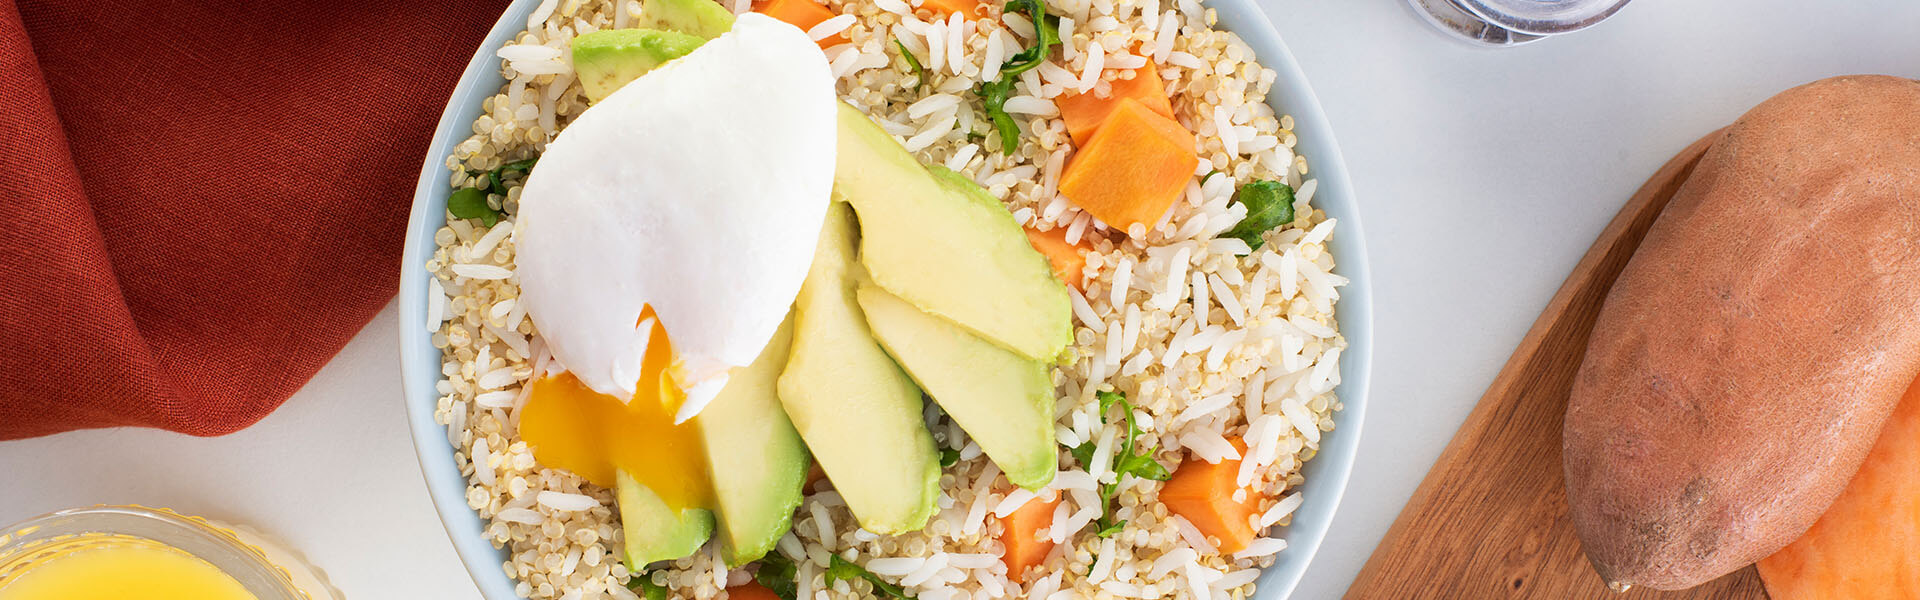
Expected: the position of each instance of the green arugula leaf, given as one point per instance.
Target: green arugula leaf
(643, 585)
(1083, 453)
(471, 203)
(779, 575)
(1143, 465)
(498, 176)
(1044, 29)
(1108, 399)
(949, 457)
(840, 569)
(1269, 205)
(993, 95)
(1125, 462)
(919, 73)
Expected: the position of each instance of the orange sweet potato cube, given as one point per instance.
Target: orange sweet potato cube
(800, 13)
(1085, 112)
(1132, 169)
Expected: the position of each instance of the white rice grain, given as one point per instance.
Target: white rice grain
(1029, 105)
(1261, 547)
(566, 502)
(540, 13)
(1208, 445)
(437, 304)
(895, 566)
(496, 399)
(931, 104)
(1281, 509)
(1301, 418)
(482, 272)
(1096, 63)
(1192, 536)
(994, 56)
(831, 27)
(1014, 500)
(527, 52)
(956, 42)
(481, 456)
(1200, 305)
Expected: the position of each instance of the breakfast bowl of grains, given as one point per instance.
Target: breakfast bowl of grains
(937, 299)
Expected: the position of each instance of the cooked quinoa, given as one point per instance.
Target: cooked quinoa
(1206, 339)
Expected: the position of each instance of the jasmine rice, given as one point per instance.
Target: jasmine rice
(1207, 339)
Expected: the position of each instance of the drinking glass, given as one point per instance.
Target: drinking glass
(1513, 22)
(263, 568)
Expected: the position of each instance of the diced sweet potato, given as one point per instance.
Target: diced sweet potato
(1133, 168)
(800, 13)
(1020, 533)
(1202, 493)
(1085, 112)
(1069, 260)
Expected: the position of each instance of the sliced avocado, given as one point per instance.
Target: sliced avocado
(938, 241)
(655, 531)
(858, 412)
(703, 18)
(755, 458)
(1003, 400)
(608, 59)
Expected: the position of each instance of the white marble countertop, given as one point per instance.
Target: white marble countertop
(1483, 175)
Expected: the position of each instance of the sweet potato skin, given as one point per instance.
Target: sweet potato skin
(1747, 356)
(1863, 546)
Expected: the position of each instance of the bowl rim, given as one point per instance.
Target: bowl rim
(1330, 471)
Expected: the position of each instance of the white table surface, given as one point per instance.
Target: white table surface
(1483, 176)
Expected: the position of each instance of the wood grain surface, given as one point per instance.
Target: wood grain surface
(1490, 519)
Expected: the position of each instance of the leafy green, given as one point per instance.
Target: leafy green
(471, 203)
(498, 176)
(1269, 205)
(948, 457)
(1143, 466)
(1127, 462)
(1044, 29)
(778, 574)
(643, 584)
(840, 569)
(994, 94)
(1083, 453)
(919, 73)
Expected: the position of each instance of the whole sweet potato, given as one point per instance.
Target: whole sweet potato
(1749, 353)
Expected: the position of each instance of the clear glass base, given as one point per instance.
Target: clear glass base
(1500, 23)
(1465, 25)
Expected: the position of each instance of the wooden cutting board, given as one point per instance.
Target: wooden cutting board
(1490, 520)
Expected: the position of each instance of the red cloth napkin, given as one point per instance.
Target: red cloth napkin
(204, 200)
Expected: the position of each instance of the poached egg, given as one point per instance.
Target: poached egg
(686, 205)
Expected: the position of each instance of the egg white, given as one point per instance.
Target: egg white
(699, 189)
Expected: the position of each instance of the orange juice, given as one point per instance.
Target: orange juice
(139, 553)
(119, 568)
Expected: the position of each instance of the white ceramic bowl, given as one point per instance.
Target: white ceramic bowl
(1326, 474)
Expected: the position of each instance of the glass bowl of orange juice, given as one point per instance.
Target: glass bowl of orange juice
(118, 552)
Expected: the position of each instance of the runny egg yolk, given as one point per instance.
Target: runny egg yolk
(570, 426)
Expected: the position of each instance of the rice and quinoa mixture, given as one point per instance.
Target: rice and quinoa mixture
(1207, 340)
